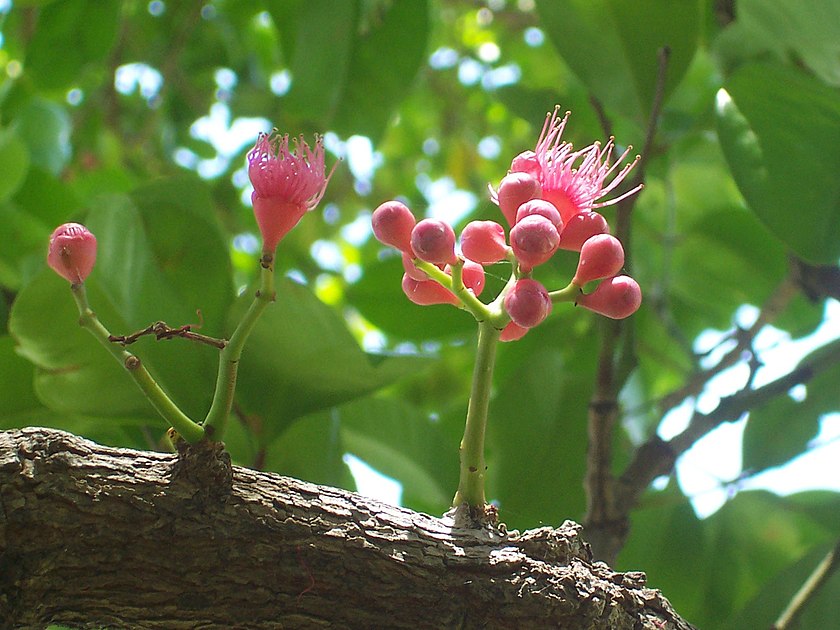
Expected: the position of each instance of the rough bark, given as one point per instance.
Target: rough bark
(93, 536)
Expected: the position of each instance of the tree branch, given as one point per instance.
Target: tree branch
(97, 536)
(657, 457)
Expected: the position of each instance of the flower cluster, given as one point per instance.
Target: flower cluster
(549, 199)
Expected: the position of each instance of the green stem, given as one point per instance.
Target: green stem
(216, 420)
(188, 429)
(473, 467)
(476, 307)
(569, 293)
(455, 283)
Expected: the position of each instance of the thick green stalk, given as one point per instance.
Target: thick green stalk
(473, 467)
(188, 429)
(216, 420)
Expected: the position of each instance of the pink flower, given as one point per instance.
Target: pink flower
(72, 252)
(287, 183)
(572, 180)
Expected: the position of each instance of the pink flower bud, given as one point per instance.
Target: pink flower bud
(427, 292)
(433, 240)
(542, 208)
(483, 242)
(512, 332)
(72, 252)
(287, 183)
(526, 162)
(534, 240)
(616, 298)
(528, 303)
(412, 270)
(514, 190)
(580, 228)
(392, 223)
(601, 256)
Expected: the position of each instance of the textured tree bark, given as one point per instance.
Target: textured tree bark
(93, 536)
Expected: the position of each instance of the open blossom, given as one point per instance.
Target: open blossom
(287, 183)
(72, 252)
(574, 181)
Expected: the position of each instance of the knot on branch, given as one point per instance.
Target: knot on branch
(205, 465)
(556, 546)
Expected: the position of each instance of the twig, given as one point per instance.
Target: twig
(161, 330)
(824, 570)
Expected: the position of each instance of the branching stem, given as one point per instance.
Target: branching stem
(188, 429)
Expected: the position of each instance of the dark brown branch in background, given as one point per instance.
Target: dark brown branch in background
(602, 520)
(657, 457)
(95, 536)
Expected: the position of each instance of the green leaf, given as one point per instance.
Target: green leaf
(14, 162)
(16, 391)
(325, 35)
(808, 33)
(777, 432)
(44, 127)
(40, 205)
(161, 257)
(612, 45)
(732, 554)
(70, 34)
(780, 132)
(403, 443)
(822, 611)
(301, 358)
(726, 258)
(385, 59)
(536, 433)
(311, 449)
(188, 246)
(380, 299)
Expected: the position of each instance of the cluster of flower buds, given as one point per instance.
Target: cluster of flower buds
(549, 199)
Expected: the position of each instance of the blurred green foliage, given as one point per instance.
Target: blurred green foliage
(104, 108)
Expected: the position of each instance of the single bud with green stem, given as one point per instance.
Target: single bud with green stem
(528, 197)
